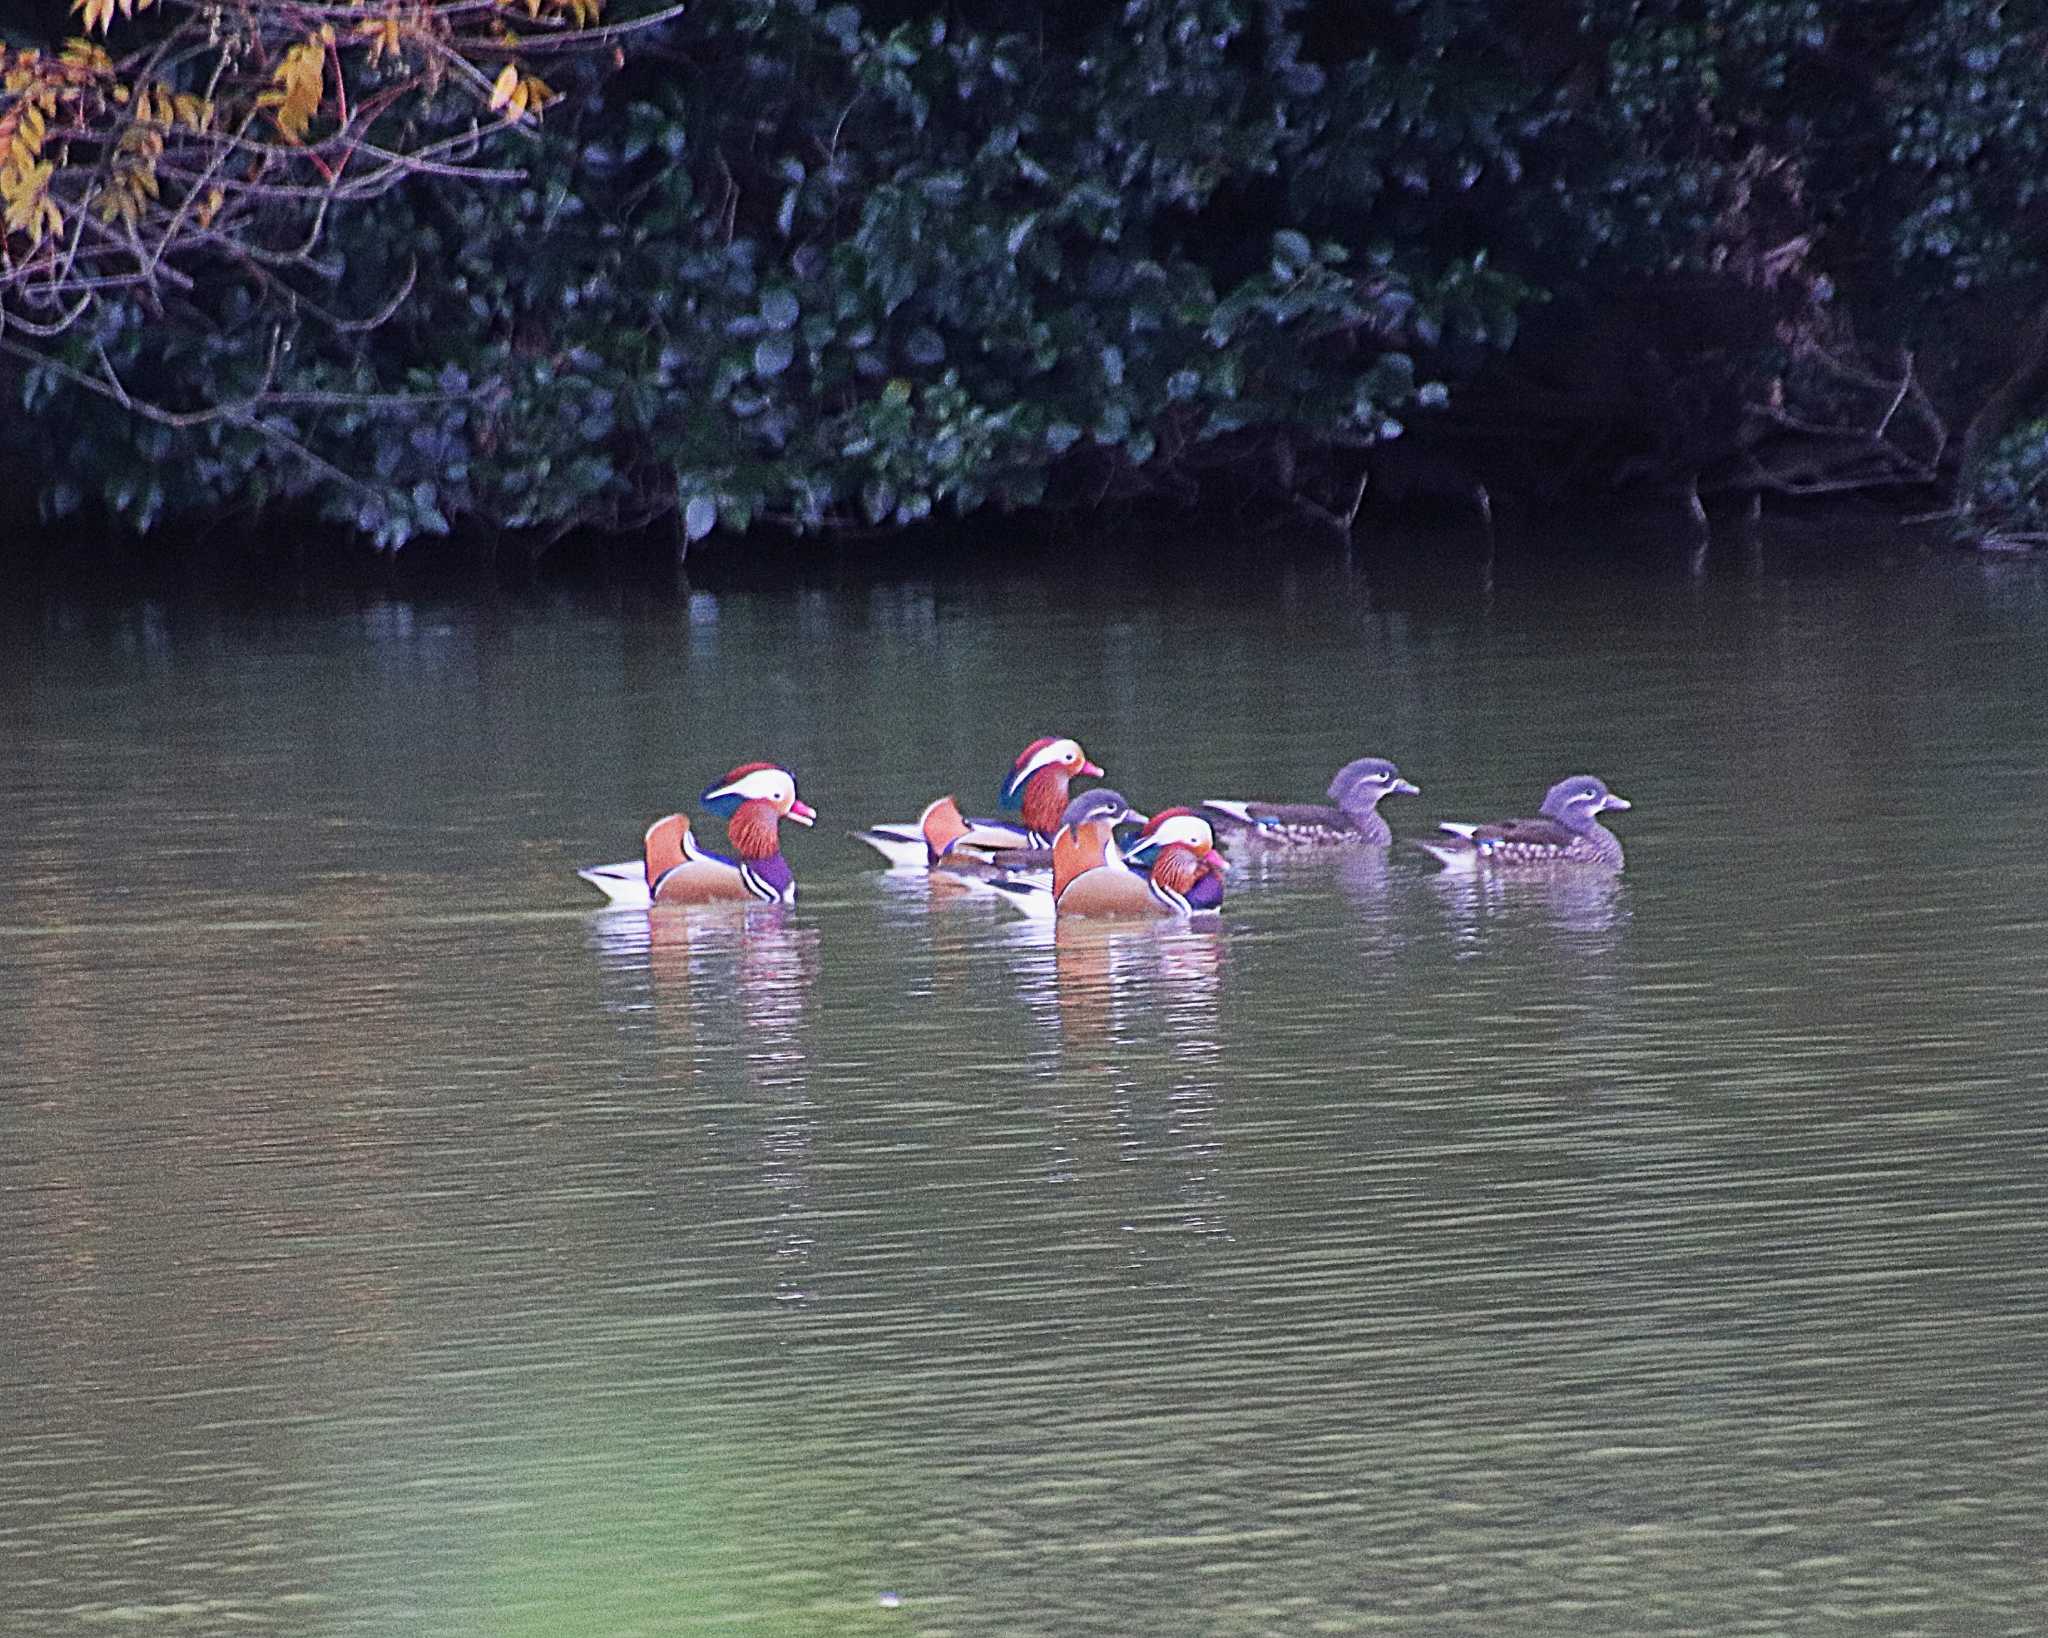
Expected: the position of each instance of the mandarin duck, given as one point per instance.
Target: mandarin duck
(963, 847)
(1186, 874)
(753, 799)
(1568, 833)
(1036, 792)
(1172, 870)
(1355, 821)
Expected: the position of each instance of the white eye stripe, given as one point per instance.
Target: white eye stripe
(1186, 828)
(763, 785)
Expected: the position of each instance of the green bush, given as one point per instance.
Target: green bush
(855, 265)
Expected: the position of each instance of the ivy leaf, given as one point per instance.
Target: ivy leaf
(1292, 253)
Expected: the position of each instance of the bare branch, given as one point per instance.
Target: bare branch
(535, 44)
(383, 315)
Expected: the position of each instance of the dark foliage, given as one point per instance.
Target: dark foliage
(848, 265)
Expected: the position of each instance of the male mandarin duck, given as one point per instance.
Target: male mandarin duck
(1568, 833)
(1355, 821)
(753, 799)
(965, 847)
(1091, 876)
(1187, 872)
(1037, 791)
(629, 885)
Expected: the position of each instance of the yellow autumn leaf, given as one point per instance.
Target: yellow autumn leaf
(83, 53)
(297, 88)
(382, 33)
(99, 14)
(504, 87)
(26, 194)
(116, 201)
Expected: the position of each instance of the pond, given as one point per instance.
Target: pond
(391, 1241)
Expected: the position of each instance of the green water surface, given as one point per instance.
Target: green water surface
(390, 1243)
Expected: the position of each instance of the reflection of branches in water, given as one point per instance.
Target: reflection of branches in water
(1590, 906)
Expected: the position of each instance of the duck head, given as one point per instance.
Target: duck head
(1359, 785)
(1084, 838)
(1578, 802)
(753, 799)
(1100, 807)
(1178, 827)
(1037, 786)
(1186, 870)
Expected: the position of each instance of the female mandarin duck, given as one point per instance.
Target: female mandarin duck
(1037, 791)
(1355, 821)
(753, 799)
(1180, 874)
(1568, 833)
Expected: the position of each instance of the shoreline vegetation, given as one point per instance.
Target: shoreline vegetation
(873, 275)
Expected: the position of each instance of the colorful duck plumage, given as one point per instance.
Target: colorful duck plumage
(1071, 864)
(629, 885)
(966, 847)
(1186, 875)
(1568, 832)
(1036, 790)
(1172, 870)
(753, 799)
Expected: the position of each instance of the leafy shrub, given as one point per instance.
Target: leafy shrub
(852, 265)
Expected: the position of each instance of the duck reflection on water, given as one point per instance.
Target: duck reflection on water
(658, 960)
(1127, 1010)
(727, 991)
(1589, 904)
